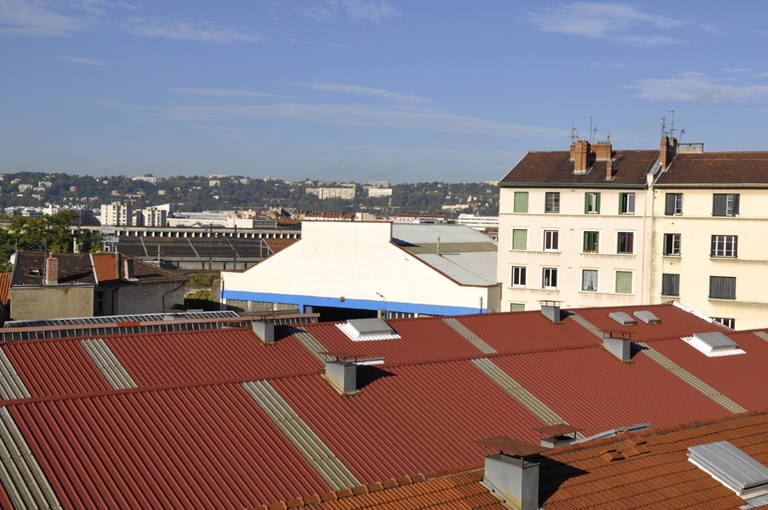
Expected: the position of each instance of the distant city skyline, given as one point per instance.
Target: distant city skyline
(361, 90)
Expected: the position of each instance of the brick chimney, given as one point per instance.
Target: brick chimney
(668, 151)
(51, 270)
(580, 156)
(603, 151)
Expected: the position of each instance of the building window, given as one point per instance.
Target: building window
(551, 240)
(674, 204)
(624, 282)
(671, 244)
(521, 201)
(725, 204)
(728, 323)
(626, 203)
(625, 242)
(589, 280)
(517, 307)
(549, 278)
(591, 242)
(99, 302)
(552, 202)
(670, 284)
(724, 246)
(722, 287)
(518, 276)
(591, 203)
(519, 239)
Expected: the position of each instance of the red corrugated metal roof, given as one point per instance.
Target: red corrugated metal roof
(675, 322)
(527, 331)
(743, 378)
(201, 447)
(425, 339)
(411, 419)
(591, 388)
(5, 288)
(55, 367)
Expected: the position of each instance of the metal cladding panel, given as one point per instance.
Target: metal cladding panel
(747, 379)
(423, 339)
(55, 367)
(474, 268)
(200, 447)
(675, 322)
(159, 359)
(590, 388)
(527, 331)
(428, 234)
(408, 419)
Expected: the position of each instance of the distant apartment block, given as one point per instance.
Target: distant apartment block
(379, 184)
(117, 214)
(146, 178)
(25, 187)
(379, 192)
(214, 182)
(346, 192)
(478, 222)
(150, 217)
(415, 218)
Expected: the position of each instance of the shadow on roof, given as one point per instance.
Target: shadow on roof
(369, 374)
(553, 475)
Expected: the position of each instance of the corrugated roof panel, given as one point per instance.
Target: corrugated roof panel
(409, 419)
(588, 387)
(675, 322)
(428, 234)
(737, 470)
(201, 447)
(477, 268)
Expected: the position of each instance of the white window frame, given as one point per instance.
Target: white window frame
(595, 281)
(584, 241)
(676, 244)
(551, 237)
(514, 276)
(555, 206)
(547, 274)
(618, 241)
(724, 246)
(630, 203)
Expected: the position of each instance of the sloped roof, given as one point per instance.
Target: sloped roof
(110, 267)
(739, 168)
(74, 269)
(5, 288)
(553, 168)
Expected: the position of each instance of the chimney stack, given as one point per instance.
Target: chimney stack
(341, 370)
(265, 331)
(509, 475)
(51, 270)
(620, 346)
(603, 151)
(580, 156)
(668, 151)
(551, 310)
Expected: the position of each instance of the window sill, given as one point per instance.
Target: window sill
(673, 255)
(670, 295)
(722, 257)
(728, 300)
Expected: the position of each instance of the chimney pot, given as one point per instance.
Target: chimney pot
(51, 270)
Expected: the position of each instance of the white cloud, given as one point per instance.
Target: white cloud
(356, 10)
(190, 31)
(604, 20)
(693, 86)
(353, 89)
(224, 92)
(87, 61)
(36, 18)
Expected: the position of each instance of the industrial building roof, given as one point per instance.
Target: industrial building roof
(220, 419)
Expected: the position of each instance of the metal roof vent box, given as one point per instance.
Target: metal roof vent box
(622, 318)
(714, 344)
(363, 330)
(647, 317)
(511, 474)
(731, 467)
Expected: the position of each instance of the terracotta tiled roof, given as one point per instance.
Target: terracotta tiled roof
(5, 288)
(74, 269)
(279, 244)
(539, 168)
(717, 168)
(110, 267)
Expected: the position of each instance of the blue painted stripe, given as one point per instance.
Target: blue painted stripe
(364, 304)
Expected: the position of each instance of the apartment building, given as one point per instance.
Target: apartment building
(598, 227)
(117, 214)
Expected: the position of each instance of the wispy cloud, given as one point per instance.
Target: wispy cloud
(190, 31)
(369, 11)
(87, 61)
(21, 17)
(694, 86)
(224, 93)
(604, 20)
(368, 91)
(347, 115)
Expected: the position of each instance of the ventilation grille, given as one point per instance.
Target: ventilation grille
(622, 318)
(731, 467)
(713, 344)
(363, 330)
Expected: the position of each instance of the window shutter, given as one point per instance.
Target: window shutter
(722, 287)
(521, 201)
(519, 239)
(624, 282)
(670, 284)
(597, 203)
(669, 210)
(735, 246)
(621, 202)
(736, 204)
(718, 205)
(586, 203)
(714, 245)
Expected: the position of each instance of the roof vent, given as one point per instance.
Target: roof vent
(713, 344)
(509, 475)
(341, 370)
(619, 344)
(551, 310)
(731, 467)
(265, 331)
(647, 317)
(363, 330)
(622, 318)
(557, 435)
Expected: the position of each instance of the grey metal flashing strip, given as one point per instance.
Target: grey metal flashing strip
(312, 344)
(586, 324)
(192, 246)
(106, 361)
(325, 462)
(144, 246)
(472, 338)
(525, 397)
(762, 335)
(24, 481)
(11, 385)
(692, 380)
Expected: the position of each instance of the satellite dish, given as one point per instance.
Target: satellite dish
(13, 259)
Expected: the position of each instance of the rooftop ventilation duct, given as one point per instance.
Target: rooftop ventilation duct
(615, 432)
(341, 370)
(647, 317)
(509, 474)
(622, 318)
(731, 467)
(557, 435)
(363, 330)
(265, 331)
(619, 345)
(713, 344)
(551, 310)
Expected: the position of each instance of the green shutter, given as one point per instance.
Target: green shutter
(621, 203)
(586, 203)
(597, 203)
(517, 307)
(519, 239)
(623, 282)
(521, 201)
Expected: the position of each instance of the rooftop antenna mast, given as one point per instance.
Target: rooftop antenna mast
(591, 134)
(574, 134)
(672, 123)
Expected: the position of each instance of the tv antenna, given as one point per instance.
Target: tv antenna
(574, 134)
(591, 133)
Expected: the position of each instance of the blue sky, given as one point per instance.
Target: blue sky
(358, 90)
